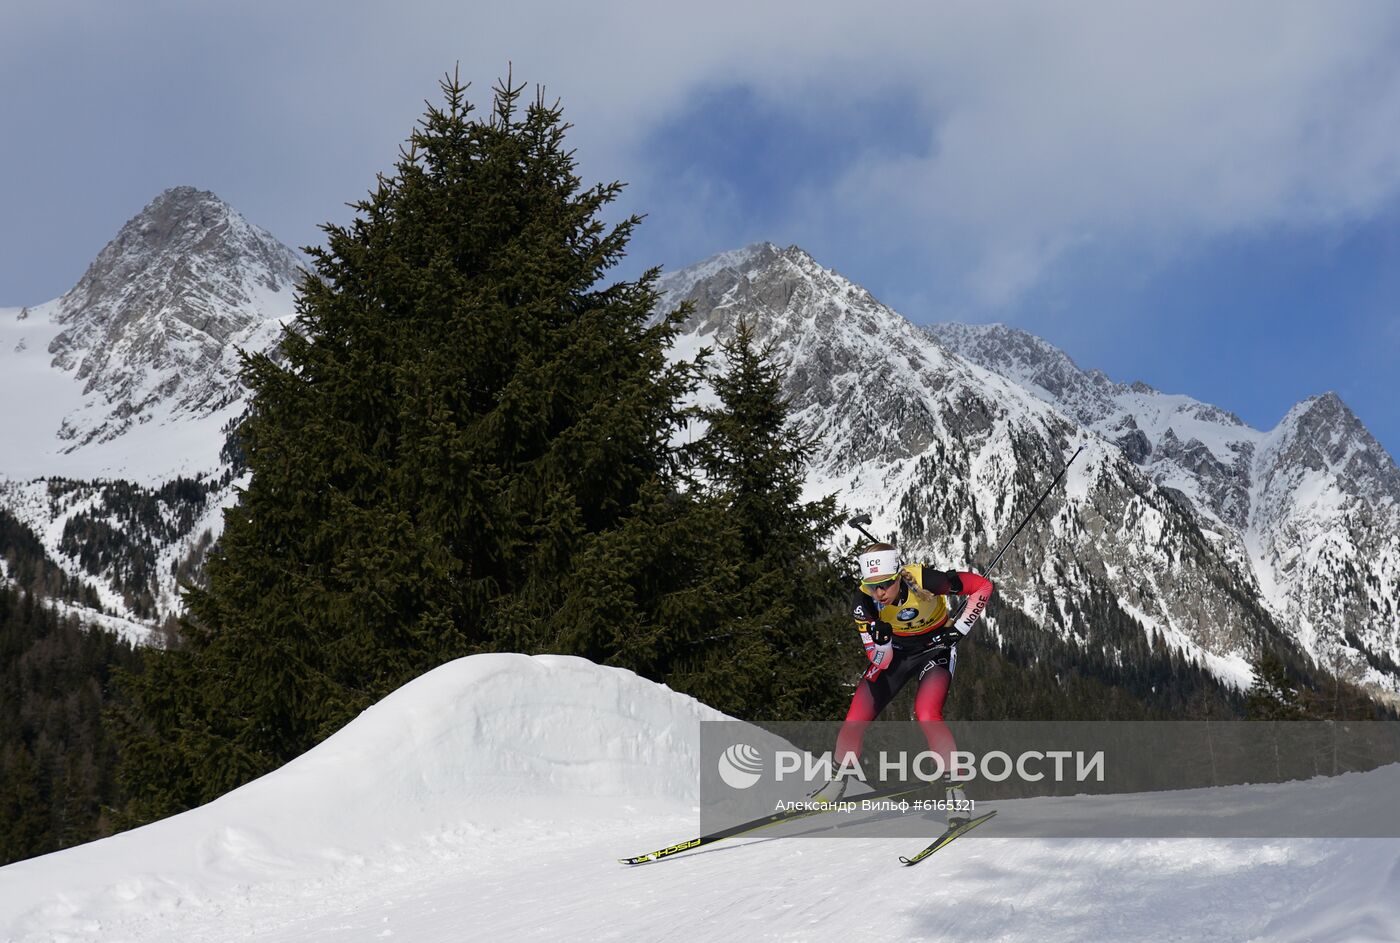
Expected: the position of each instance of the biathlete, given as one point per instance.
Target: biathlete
(906, 624)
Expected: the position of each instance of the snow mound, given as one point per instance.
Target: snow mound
(505, 725)
(477, 743)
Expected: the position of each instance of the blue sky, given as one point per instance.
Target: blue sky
(1202, 196)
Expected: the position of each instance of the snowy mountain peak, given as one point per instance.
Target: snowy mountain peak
(1322, 437)
(155, 317)
(184, 241)
(1029, 360)
(1314, 503)
(784, 290)
(726, 267)
(1323, 434)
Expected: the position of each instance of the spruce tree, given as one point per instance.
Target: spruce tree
(781, 655)
(464, 446)
(1274, 695)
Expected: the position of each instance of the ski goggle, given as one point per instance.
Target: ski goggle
(884, 583)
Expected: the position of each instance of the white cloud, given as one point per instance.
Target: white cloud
(1160, 123)
(1052, 125)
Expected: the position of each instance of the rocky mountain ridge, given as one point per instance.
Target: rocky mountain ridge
(1214, 538)
(945, 433)
(1314, 503)
(156, 319)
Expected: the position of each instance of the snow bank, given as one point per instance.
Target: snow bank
(473, 744)
(505, 725)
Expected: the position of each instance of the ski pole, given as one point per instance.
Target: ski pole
(962, 603)
(1004, 547)
(860, 519)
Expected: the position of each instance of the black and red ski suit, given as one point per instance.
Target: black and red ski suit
(923, 634)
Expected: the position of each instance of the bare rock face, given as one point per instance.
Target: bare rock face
(155, 321)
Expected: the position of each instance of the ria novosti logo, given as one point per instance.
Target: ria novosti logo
(740, 766)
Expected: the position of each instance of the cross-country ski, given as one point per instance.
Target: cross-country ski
(955, 830)
(776, 818)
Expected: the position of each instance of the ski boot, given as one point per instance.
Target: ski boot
(959, 811)
(831, 791)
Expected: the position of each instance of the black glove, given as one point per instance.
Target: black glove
(947, 637)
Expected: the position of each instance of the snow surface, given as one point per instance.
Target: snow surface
(489, 799)
(39, 398)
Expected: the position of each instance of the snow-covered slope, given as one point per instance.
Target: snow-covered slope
(128, 382)
(489, 799)
(478, 750)
(41, 439)
(133, 373)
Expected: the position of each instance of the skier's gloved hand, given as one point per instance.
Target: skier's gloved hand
(880, 655)
(948, 637)
(870, 630)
